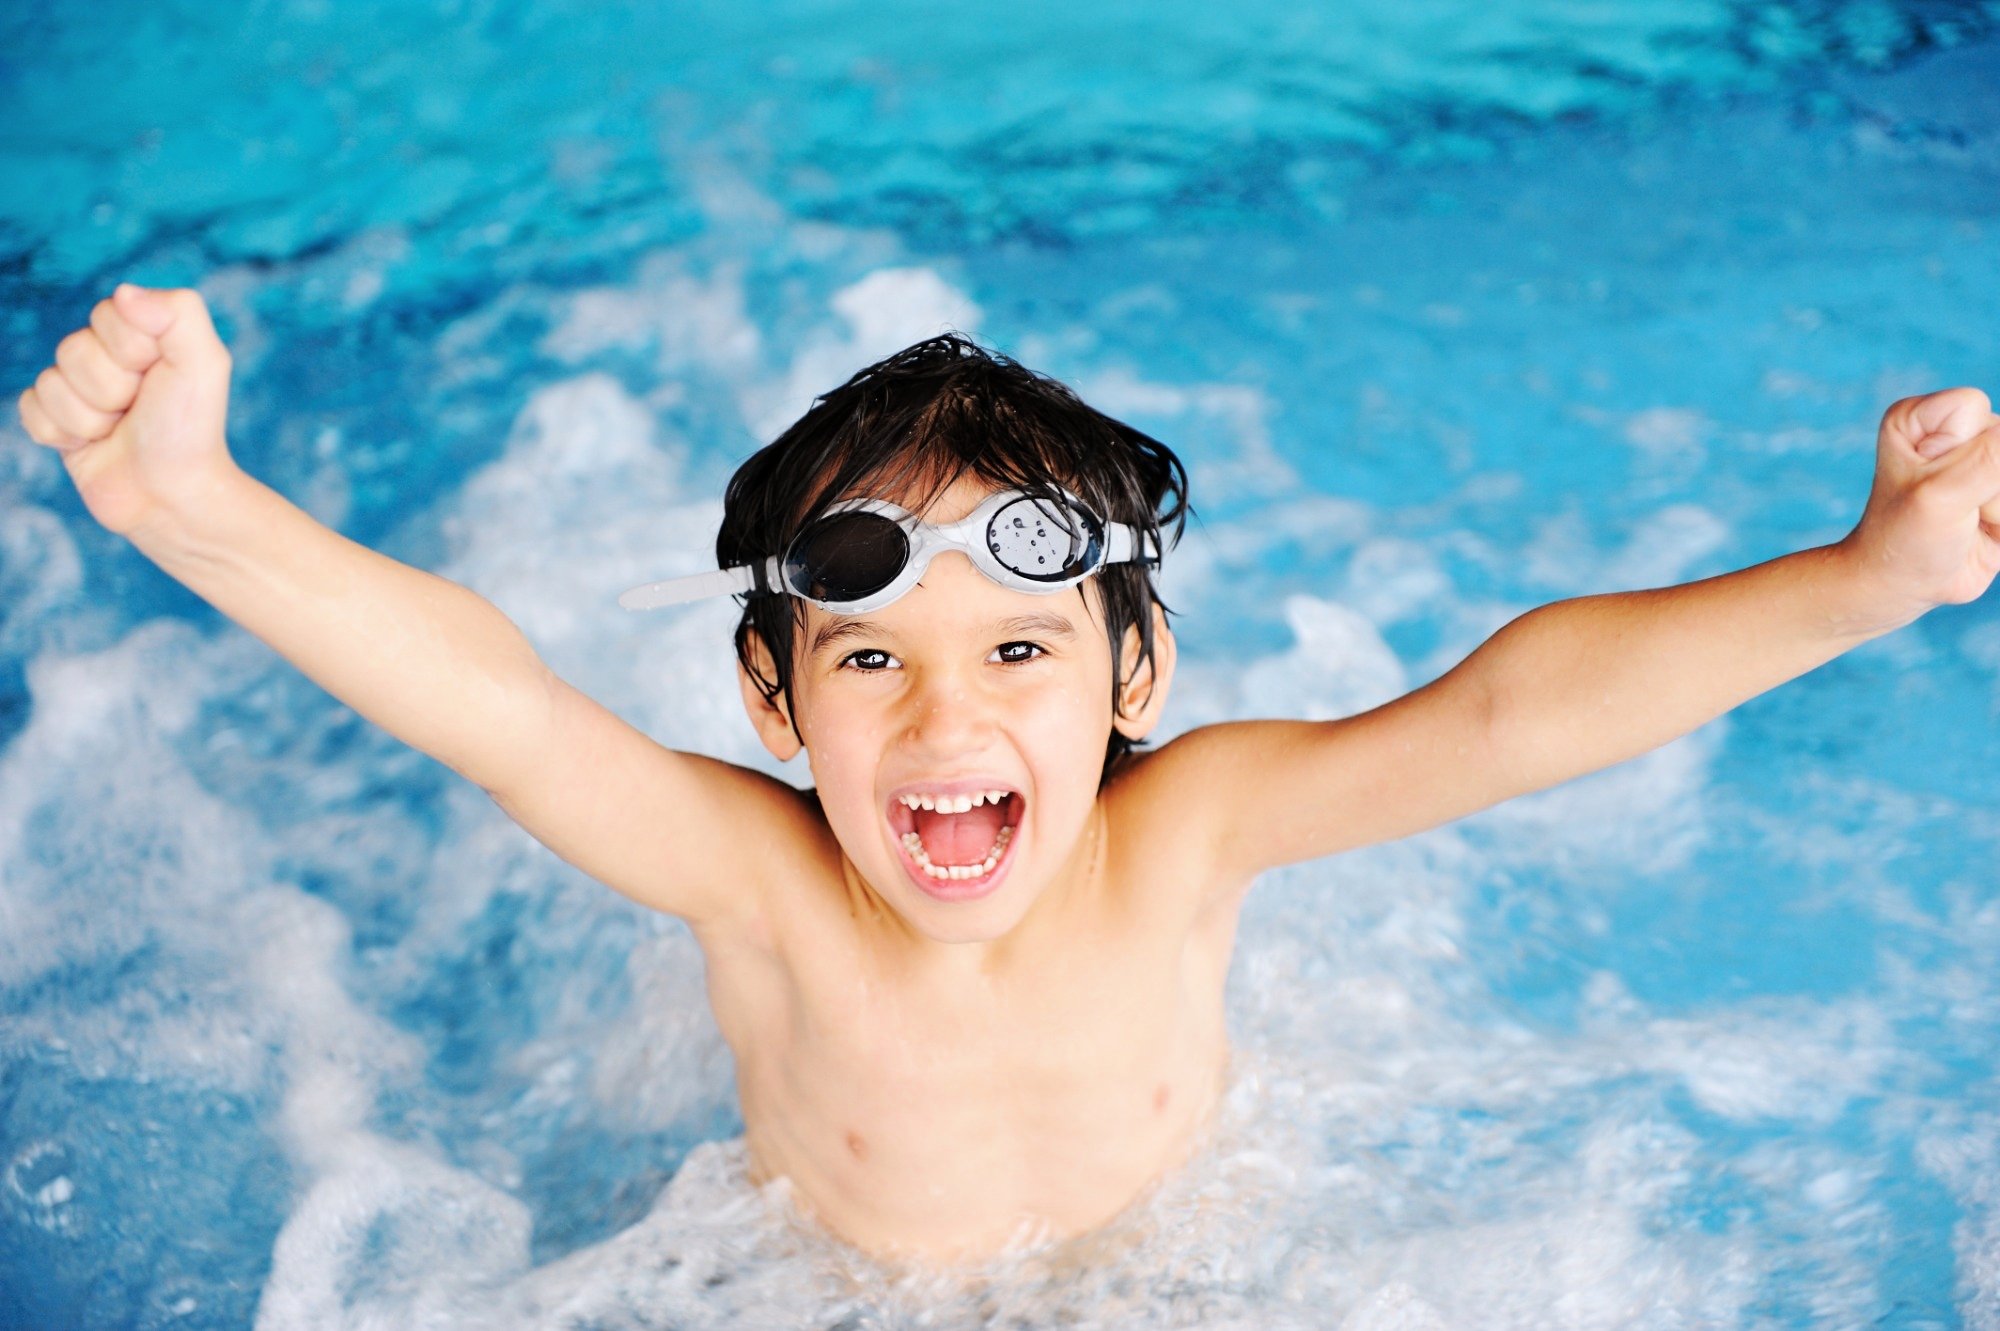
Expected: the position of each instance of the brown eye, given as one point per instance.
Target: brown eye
(869, 660)
(1018, 653)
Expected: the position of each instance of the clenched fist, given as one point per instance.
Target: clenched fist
(136, 404)
(1931, 532)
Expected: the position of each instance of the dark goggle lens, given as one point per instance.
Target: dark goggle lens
(845, 557)
(1044, 541)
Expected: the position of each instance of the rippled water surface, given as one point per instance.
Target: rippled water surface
(1453, 309)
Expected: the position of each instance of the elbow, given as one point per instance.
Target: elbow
(1505, 734)
(1497, 738)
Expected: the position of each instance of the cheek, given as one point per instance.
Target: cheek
(1073, 723)
(838, 758)
(842, 756)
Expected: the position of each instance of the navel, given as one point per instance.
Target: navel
(857, 1147)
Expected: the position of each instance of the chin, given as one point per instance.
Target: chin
(983, 921)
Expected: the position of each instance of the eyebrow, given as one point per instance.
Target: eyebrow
(840, 630)
(1038, 625)
(844, 630)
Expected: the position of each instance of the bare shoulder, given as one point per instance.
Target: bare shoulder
(1241, 797)
(1186, 792)
(1167, 791)
(1165, 812)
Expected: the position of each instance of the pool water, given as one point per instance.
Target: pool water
(1453, 310)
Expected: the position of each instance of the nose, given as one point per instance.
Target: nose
(948, 717)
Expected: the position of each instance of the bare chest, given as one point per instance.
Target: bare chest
(945, 1114)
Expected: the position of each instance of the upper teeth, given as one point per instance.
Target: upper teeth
(953, 803)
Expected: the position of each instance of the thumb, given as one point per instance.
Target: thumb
(177, 319)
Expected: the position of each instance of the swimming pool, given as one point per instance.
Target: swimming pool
(1453, 309)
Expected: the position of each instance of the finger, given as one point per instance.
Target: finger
(1934, 446)
(1970, 478)
(38, 425)
(131, 348)
(72, 415)
(97, 379)
(178, 320)
(1940, 421)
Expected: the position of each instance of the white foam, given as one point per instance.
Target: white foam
(881, 313)
(692, 319)
(1391, 579)
(392, 1239)
(40, 568)
(1394, 1307)
(1666, 547)
(93, 780)
(667, 1060)
(1798, 1061)
(1401, 1151)
(1340, 666)
(1214, 560)
(585, 502)
(1243, 461)
(1663, 432)
(1662, 548)
(1648, 814)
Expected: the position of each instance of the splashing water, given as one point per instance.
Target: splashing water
(1453, 310)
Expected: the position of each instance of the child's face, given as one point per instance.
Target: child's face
(961, 686)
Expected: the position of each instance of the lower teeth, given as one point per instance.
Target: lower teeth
(915, 845)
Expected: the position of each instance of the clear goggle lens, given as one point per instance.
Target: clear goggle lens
(1044, 541)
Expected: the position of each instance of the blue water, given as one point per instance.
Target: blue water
(1453, 310)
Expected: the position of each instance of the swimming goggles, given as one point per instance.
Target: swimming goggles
(861, 554)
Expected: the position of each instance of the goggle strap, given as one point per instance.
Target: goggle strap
(1121, 546)
(742, 580)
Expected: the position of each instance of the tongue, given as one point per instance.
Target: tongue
(960, 838)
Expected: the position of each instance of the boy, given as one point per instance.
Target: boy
(974, 980)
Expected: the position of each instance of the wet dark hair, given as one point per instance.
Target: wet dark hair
(913, 423)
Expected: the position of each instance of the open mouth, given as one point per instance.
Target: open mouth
(955, 839)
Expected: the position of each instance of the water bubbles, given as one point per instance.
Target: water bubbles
(39, 1186)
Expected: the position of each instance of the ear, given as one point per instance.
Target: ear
(771, 716)
(1142, 694)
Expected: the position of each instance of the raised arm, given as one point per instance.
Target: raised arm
(1578, 685)
(136, 405)
(1583, 684)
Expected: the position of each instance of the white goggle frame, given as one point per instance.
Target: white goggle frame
(974, 535)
